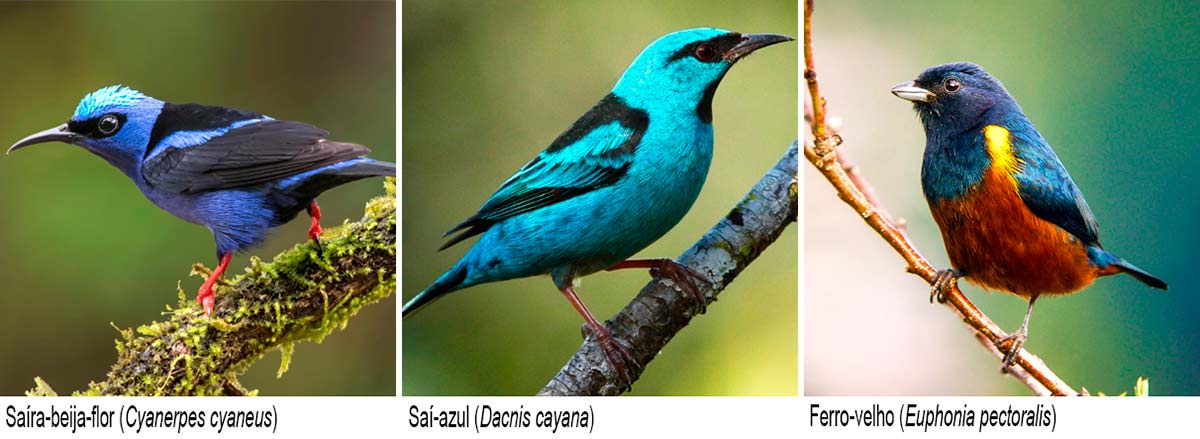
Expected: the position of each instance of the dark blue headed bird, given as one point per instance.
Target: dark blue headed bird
(1011, 217)
(236, 172)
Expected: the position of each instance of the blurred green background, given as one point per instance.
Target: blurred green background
(1113, 86)
(486, 86)
(81, 247)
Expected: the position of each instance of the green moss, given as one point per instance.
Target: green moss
(40, 388)
(285, 358)
(746, 251)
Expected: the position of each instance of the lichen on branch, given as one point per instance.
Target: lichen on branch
(303, 294)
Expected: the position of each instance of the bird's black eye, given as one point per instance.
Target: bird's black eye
(108, 124)
(952, 84)
(705, 52)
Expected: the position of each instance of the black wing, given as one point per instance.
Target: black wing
(248, 155)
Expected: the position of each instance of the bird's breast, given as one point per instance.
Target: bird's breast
(993, 236)
(182, 206)
(952, 165)
(671, 166)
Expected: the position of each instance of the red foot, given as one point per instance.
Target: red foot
(314, 231)
(206, 298)
(616, 351)
(686, 278)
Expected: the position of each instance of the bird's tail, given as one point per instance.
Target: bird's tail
(304, 187)
(1140, 274)
(449, 281)
(1111, 264)
(367, 168)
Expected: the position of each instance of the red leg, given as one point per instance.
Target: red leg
(685, 277)
(615, 351)
(314, 231)
(206, 298)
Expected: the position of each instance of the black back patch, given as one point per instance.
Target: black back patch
(193, 117)
(610, 108)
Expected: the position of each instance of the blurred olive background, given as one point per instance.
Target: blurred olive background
(486, 86)
(1114, 89)
(81, 247)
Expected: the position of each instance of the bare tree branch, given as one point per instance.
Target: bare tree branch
(662, 309)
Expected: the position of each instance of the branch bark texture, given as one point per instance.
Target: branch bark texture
(302, 294)
(822, 151)
(662, 308)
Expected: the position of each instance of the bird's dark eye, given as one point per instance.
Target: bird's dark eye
(108, 124)
(705, 52)
(952, 85)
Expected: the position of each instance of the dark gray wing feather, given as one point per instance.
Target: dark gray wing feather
(246, 156)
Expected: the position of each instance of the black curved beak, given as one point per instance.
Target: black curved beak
(752, 42)
(910, 92)
(57, 134)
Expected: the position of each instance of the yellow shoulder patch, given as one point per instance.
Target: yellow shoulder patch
(999, 147)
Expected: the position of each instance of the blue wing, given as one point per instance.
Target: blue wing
(595, 152)
(240, 153)
(1048, 190)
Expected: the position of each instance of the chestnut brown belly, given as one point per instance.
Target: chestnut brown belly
(1000, 244)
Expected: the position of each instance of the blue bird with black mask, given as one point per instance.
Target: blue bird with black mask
(615, 181)
(235, 172)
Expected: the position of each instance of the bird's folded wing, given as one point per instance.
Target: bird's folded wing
(1049, 192)
(590, 160)
(248, 155)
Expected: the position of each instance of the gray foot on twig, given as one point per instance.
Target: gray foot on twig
(941, 281)
(1018, 341)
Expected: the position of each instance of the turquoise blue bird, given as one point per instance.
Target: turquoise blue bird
(1011, 217)
(236, 172)
(615, 181)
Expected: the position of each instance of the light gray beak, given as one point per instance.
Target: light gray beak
(910, 92)
(57, 134)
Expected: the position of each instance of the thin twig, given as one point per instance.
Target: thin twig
(810, 75)
(819, 151)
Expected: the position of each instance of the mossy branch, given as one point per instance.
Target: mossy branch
(300, 295)
(662, 308)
